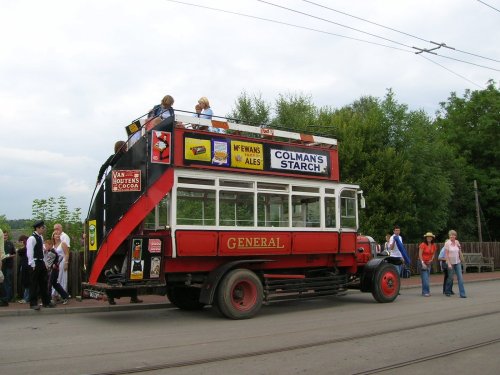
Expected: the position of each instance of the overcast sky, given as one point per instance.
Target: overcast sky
(74, 73)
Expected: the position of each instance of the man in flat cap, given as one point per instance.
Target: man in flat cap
(38, 270)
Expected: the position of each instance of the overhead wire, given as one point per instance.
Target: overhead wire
(287, 24)
(451, 71)
(377, 36)
(398, 31)
(333, 22)
(488, 5)
(329, 33)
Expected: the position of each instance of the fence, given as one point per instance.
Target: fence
(76, 272)
(488, 249)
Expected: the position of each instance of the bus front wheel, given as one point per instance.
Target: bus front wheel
(239, 295)
(386, 283)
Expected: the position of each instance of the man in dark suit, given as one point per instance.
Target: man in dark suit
(39, 276)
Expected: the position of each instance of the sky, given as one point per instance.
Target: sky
(74, 73)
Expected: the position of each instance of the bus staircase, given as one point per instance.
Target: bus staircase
(125, 211)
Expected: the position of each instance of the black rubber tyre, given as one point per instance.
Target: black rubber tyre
(239, 295)
(386, 283)
(184, 297)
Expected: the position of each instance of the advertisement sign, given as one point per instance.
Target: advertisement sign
(160, 147)
(92, 235)
(221, 153)
(125, 180)
(154, 246)
(300, 162)
(197, 149)
(247, 155)
(137, 263)
(154, 272)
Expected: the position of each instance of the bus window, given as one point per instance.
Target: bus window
(158, 217)
(330, 212)
(272, 210)
(348, 209)
(305, 211)
(195, 207)
(236, 208)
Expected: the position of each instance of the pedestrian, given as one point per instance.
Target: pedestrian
(444, 269)
(454, 260)
(386, 244)
(38, 272)
(62, 251)
(8, 267)
(53, 261)
(426, 252)
(394, 251)
(24, 270)
(2, 255)
(64, 237)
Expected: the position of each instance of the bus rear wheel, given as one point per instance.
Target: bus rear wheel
(386, 283)
(239, 295)
(184, 297)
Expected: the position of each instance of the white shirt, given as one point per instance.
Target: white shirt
(30, 249)
(395, 251)
(65, 238)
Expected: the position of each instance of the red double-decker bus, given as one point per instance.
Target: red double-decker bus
(230, 215)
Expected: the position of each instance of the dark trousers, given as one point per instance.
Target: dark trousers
(54, 274)
(38, 286)
(7, 285)
(444, 267)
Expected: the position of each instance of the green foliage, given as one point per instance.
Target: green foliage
(54, 211)
(251, 110)
(4, 224)
(470, 127)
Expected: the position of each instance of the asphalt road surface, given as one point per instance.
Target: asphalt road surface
(336, 335)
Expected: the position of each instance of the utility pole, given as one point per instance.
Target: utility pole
(477, 213)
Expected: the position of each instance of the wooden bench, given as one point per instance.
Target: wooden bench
(477, 261)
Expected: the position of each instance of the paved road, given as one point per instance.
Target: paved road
(346, 335)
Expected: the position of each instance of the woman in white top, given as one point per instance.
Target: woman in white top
(454, 260)
(62, 251)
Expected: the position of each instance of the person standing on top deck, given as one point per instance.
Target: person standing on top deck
(164, 109)
(206, 112)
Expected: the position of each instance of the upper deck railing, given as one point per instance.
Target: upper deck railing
(227, 125)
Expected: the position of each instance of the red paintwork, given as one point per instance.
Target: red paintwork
(315, 242)
(196, 243)
(348, 243)
(132, 218)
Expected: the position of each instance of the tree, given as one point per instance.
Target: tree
(54, 211)
(4, 224)
(251, 110)
(295, 112)
(470, 126)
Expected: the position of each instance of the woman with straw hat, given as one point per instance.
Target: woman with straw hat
(426, 252)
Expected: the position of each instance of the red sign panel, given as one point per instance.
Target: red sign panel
(126, 180)
(160, 147)
(154, 246)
